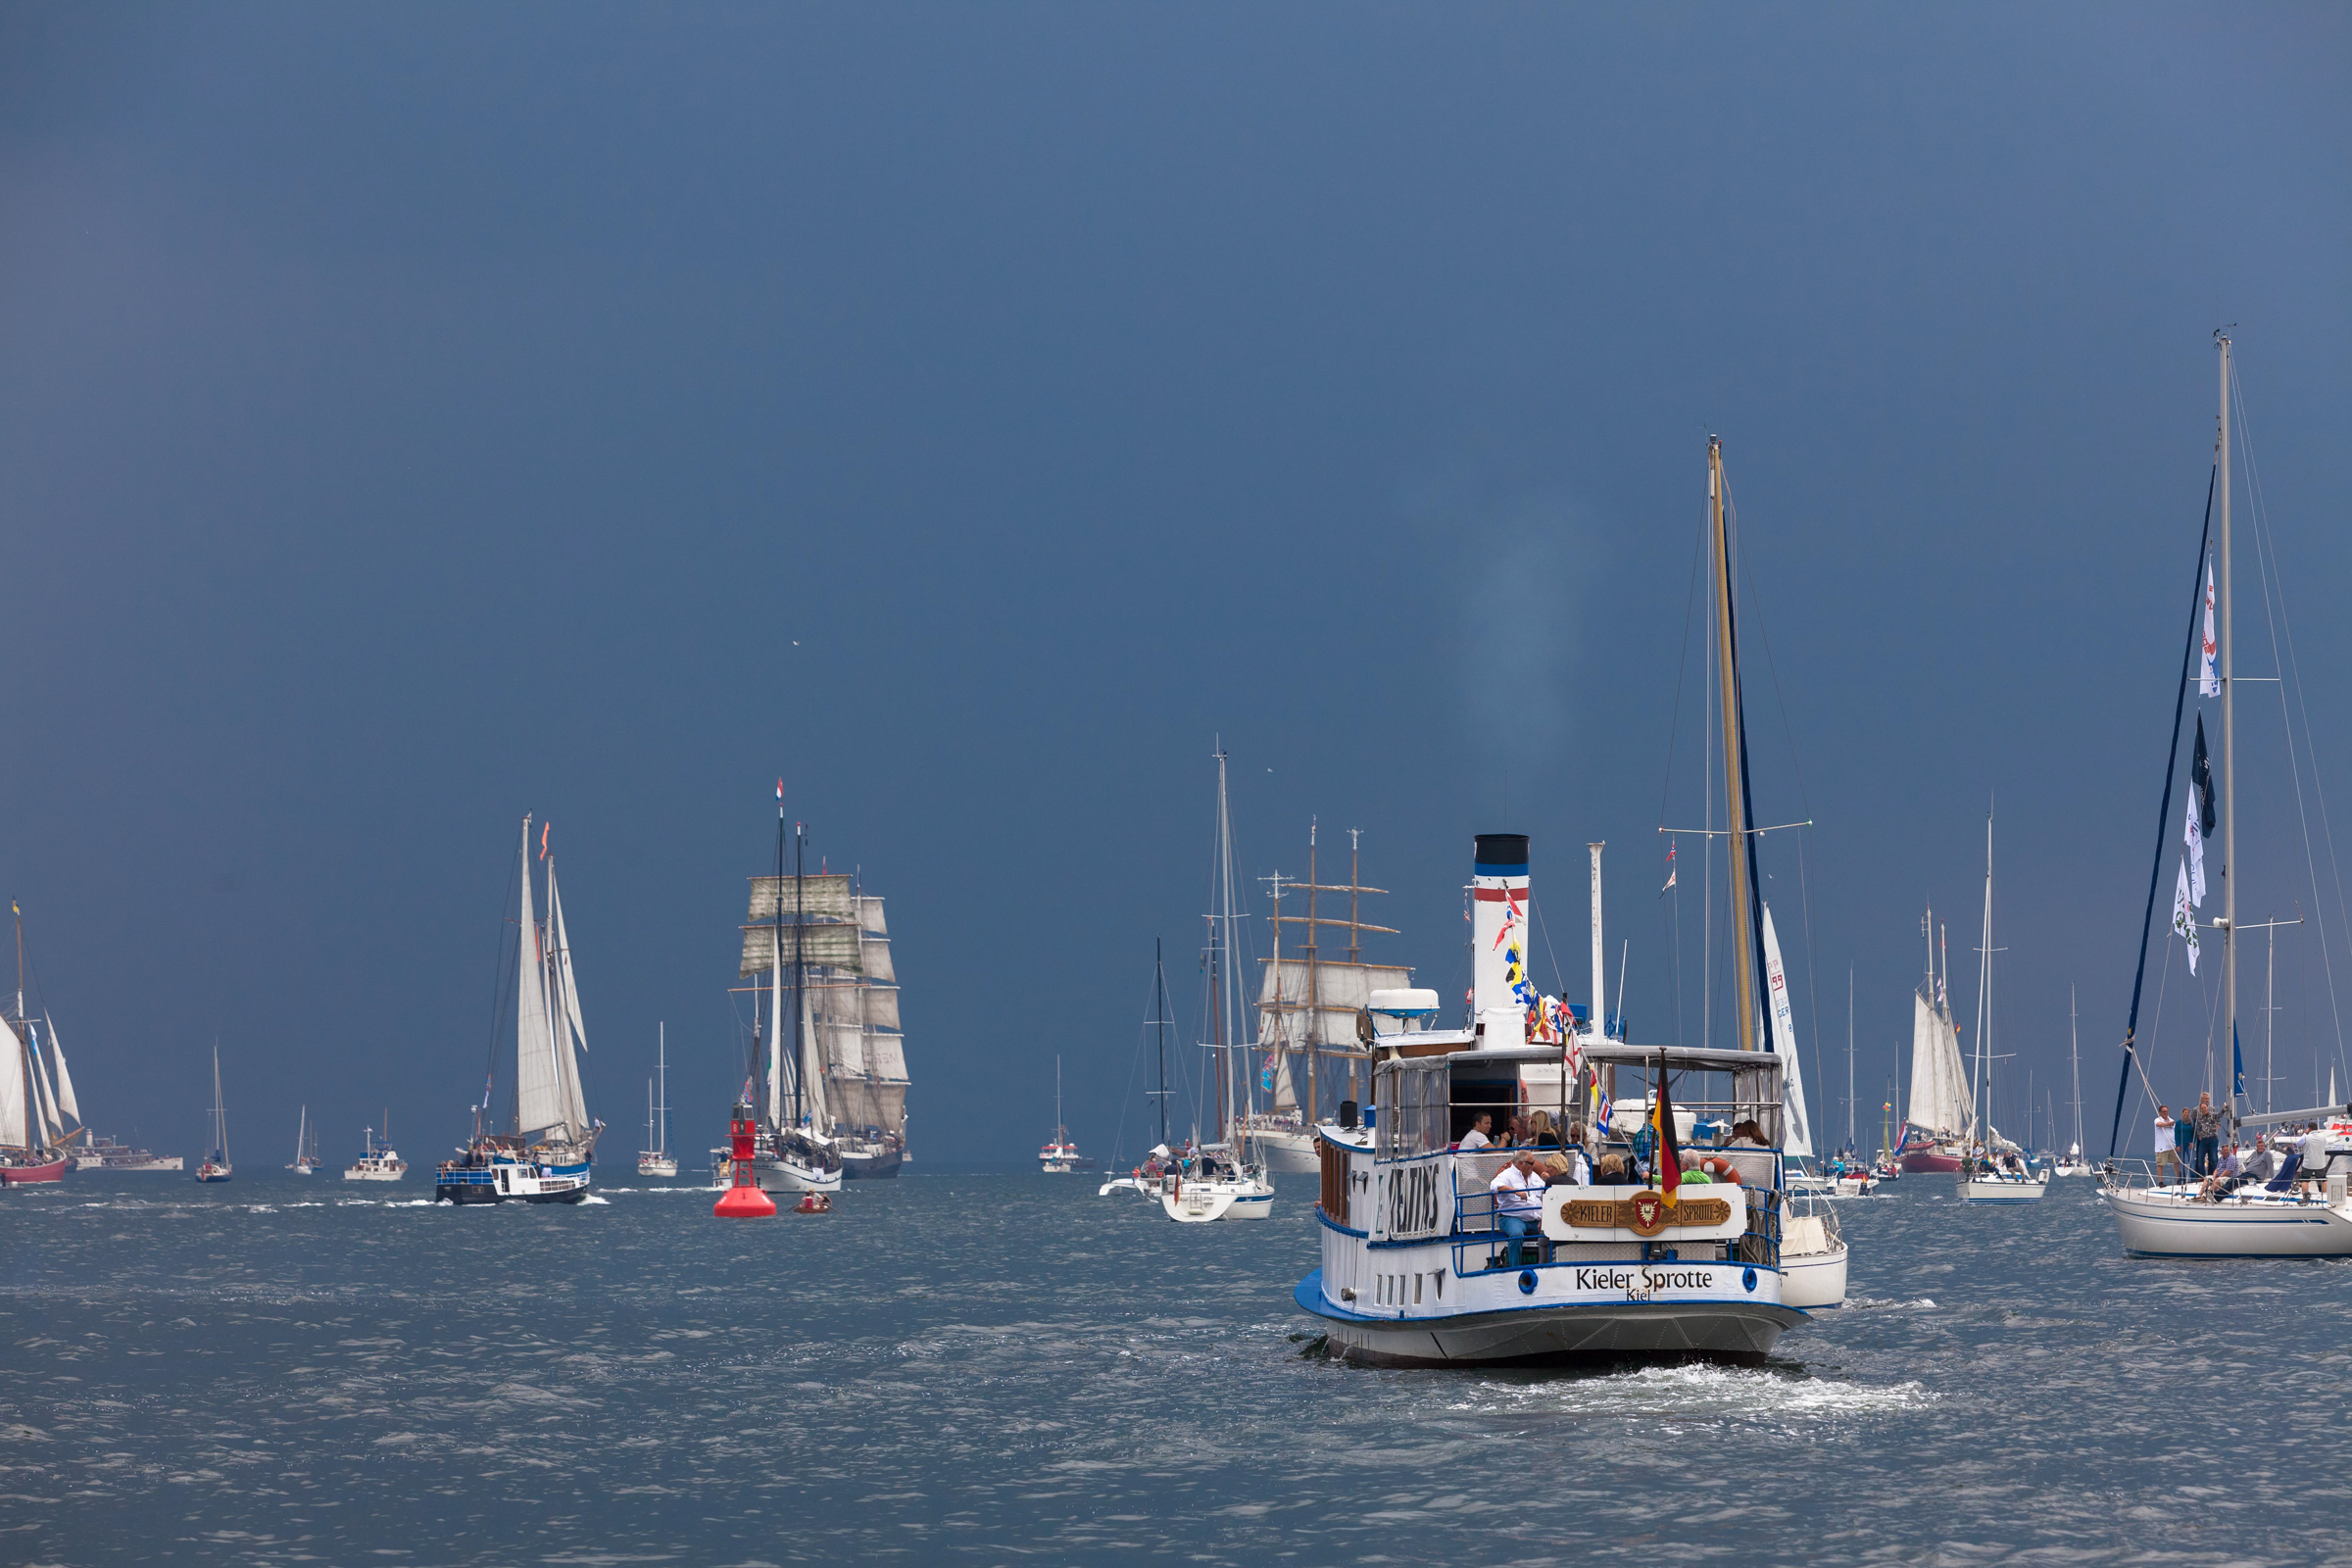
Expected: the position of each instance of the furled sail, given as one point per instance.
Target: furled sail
(46, 1127)
(826, 896)
(1339, 992)
(65, 1079)
(538, 1092)
(834, 947)
(13, 1133)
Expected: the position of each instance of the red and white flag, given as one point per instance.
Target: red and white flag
(2209, 684)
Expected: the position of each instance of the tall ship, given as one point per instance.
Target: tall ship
(827, 1075)
(41, 1120)
(1941, 1121)
(1312, 1024)
(545, 1152)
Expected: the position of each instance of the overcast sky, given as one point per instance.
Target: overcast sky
(416, 416)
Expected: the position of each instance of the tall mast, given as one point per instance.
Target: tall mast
(2073, 1057)
(1314, 980)
(1229, 1015)
(1982, 1085)
(2229, 725)
(800, 970)
(1160, 1017)
(1849, 1055)
(1745, 936)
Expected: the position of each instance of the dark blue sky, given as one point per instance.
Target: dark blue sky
(414, 416)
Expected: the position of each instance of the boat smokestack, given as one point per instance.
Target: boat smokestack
(1497, 925)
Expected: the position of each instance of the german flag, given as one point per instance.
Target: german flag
(1661, 1122)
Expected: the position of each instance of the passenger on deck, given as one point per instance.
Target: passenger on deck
(2208, 1124)
(2263, 1164)
(1539, 1131)
(1747, 1134)
(1518, 1190)
(1615, 1171)
(1476, 1136)
(1694, 1169)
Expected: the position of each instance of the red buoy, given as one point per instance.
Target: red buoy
(744, 1199)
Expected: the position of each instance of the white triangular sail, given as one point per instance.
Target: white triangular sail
(13, 1133)
(813, 1078)
(46, 1127)
(570, 1028)
(65, 1079)
(1796, 1132)
(538, 1093)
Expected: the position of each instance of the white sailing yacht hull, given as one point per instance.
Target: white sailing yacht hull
(1197, 1202)
(2171, 1222)
(656, 1165)
(1976, 1190)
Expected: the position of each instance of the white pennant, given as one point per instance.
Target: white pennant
(2193, 836)
(2209, 684)
(2184, 919)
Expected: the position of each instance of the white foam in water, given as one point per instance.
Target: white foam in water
(1703, 1393)
(594, 1197)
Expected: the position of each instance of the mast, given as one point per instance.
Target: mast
(662, 1058)
(2228, 728)
(772, 1063)
(1314, 985)
(2073, 1057)
(1849, 1055)
(1601, 987)
(1746, 938)
(800, 969)
(1981, 1076)
(1160, 1017)
(1228, 1019)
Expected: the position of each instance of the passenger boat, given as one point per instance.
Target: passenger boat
(544, 1155)
(109, 1154)
(380, 1162)
(215, 1166)
(2303, 1212)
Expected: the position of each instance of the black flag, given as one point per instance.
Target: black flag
(2200, 775)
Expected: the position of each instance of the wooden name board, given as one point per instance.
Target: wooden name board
(1644, 1213)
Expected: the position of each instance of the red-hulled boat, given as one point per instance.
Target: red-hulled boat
(1923, 1154)
(35, 1170)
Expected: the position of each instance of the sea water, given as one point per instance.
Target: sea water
(998, 1367)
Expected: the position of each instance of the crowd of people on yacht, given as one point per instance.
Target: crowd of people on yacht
(2190, 1151)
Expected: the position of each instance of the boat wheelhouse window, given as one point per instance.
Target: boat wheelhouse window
(1413, 1114)
(1472, 1096)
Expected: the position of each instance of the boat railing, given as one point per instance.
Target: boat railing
(1480, 1245)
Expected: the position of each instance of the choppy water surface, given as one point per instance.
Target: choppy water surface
(1004, 1366)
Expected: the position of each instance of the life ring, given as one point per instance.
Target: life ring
(1722, 1169)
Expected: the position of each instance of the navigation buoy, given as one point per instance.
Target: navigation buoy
(744, 1199)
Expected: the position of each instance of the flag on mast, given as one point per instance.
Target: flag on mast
(2209, 684)
(2184, 916)
(2192, 838)
(1662, 891)
(2200, 776)
(1669, 1153)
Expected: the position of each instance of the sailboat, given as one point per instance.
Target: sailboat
(1059, 1156)
(37, 1094)
(2072, 1164)
(305, 1153)
(1941, 1123)
(1997, 1171)
(1219, 1180)
(544, 1154)
(795, 924)
(1145, 1178)
(2304, 1210)
(1309, 1011)
(658, 1160)
(215, 1166)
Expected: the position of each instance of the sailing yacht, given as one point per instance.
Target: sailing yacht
(795, 924)
(1059, 1156)
(544, 1155)
(1997, 1171)
(37, 1094)
(1418, 1266)
(2303, 1212)
(305, 1153)
(2073, 1162)
(658, 1160)
(1144, 1180)
(215, 1166)
(1219, 1180)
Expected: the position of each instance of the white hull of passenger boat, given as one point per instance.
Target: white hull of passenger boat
(388, 1168)
(2175, 1222)
(1714, 1316)
(2002, 1189)
(1198, 1200)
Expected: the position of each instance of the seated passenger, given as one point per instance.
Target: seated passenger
(1615, 1171)
(1694, 1170)
(1518, 1190)
(1539, 1131)
(1747, 1134)
(1477, 1135)
(2263, 1164)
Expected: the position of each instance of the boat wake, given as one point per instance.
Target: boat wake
(1698, 1396)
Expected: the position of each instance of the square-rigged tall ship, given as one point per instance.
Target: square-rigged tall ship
(543, 1158)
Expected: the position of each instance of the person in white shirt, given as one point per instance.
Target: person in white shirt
(1476, 1136)
(2167, 1157)
(1518, 1190)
